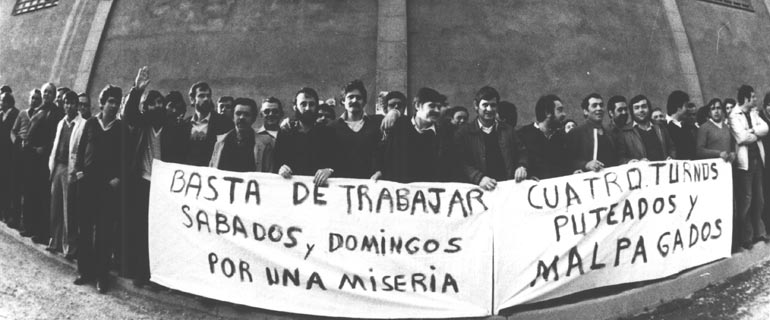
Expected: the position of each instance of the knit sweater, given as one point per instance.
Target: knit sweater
(712, 140)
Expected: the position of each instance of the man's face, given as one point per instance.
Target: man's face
(690, 112)
(558, 112)
(658, 117)
(641, 111)
(324, 117)
(225, 108)
(35, 100)
(459, 118)
(395, 103)
(244, 117)
(202, 101)
(429, 111)
(621, 113)
(595, 111)
(729, 107)
(715, 112)
(71, 108)
(59, 98)
(272, 113)
(49, 93)
(172, 110)
(84, 106)
(354, 101)
(569, 126)
(110, 108)
(487, 109)
(305, 103)
(752, 100)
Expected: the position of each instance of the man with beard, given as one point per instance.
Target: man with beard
(589, 146)
(8, 152)
(357, 135)
(84, 106)
(203, 127)
(225, 106)
(243, 149)
(42, 130)
(544, 142)
(19, 134)
(306, 148)
(416, 148)
(681, 124)
(748, 129)
(644, 140)
(157, 137)
(489, 150)
(61, 164)
(100, 169)
(617, 108)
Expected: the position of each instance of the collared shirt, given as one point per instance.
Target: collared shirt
(718, 124)
(636, 125)
(489, 129)
(272, 133)
(421, 131)
(200, 127)
(675, 122)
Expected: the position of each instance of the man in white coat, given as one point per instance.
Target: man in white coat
(61, 164)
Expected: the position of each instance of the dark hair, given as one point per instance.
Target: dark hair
(457, 109)
(613, 100)
(176, 100)
(274, 100)
(544, 106)
(150, 98)
(110, 91)
(326, 108)
(702, 115)
(395, 95)
(63, 89)
(486, 93)
(71, 96)
(767, 99)
(744, 93)
(508, 111)
(6, 89)
(721, 106)
(676, 100)
(8, 98)
(85, 95)
(568, 121)
(428, 95)
(223, 99)
(198, 86)
(638, 98)
(247, 102)
(729, 101)
(584, 103)
(353, 85)
(308, 92)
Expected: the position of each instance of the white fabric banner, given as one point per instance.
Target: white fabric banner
(350, 249)
(636, 222)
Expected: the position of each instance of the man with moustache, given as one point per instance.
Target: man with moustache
(644, 140)
(357, 135)
(61, 164)
(203, 127)
(681, 124)
(157, 137)
(101, 174)
(590, 146)
(42, 130)
(243, 149)
(617, 108)
(416, 148)
(304, 147)
(544, 142)
(489, 150)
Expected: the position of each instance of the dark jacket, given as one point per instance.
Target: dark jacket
(546, 156)
(357, 151)
(305, 153)
(580, 147)
(200, 155)
(684, 140)
(42, 128)
(398, 151)
(630, 145)
(469, 140)
(101, 153)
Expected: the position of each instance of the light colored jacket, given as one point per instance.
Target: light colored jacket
(264, 146)
(77, 132)
(743, 138)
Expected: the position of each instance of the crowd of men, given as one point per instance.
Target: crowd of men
(79, 183)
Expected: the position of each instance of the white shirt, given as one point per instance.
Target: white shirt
(421, 131)
(200, 127)
(272, 133)
(489, 129)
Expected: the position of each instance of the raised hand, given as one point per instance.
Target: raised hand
(142, 78)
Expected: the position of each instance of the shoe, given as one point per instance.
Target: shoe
(39, 240)
(101, 286)
(748, 246)
(81, 280)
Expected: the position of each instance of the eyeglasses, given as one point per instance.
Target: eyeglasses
(271, 111)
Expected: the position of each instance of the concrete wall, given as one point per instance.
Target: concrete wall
(242, 48)
(528, 48)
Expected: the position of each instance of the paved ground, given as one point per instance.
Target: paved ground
(34, 285)
(745, 296)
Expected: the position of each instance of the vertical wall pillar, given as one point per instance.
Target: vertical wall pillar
(683, 51)
(391, 46)
(92, 45)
